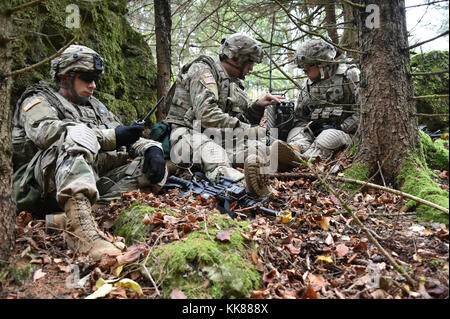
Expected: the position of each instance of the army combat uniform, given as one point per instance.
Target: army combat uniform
(61, 149)
(321, 125)
(206, 102)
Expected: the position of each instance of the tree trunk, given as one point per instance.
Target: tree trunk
(330, 20)
(349, 37)
(163, 26)
(388, 129)
(7, 199)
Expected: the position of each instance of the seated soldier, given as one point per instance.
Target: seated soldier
(325, 113)
(213, 124)
(70, 150)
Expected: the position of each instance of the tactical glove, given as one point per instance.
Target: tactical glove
(154, 164)
(127, 135)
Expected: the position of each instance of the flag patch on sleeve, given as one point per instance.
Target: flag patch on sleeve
(209, 80)
(32, 103)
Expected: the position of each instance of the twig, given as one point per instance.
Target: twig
(426, 41)
(34, 66)
(431, 115)
(381, 173)
(432, 96)
(371, 185)
(356, 5)
(23, 6)
(428, 73)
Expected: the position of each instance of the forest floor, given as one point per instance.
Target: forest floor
(322, 254)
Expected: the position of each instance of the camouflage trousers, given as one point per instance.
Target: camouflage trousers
(321, 146)
(214, 152)
(69, 167)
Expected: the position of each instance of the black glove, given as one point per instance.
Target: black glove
(154, 164)
(127, 135)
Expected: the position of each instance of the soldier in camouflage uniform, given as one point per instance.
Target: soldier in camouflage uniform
(325, 115)
(213, 124)
(70, 150)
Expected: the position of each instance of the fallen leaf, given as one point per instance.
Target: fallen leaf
(38, 274)
(361, 246)
(325, 259)
(341, 250)
(130, 284)
(270, 276)
(223, 236)
(316, 282)
(101, 292)
(292, 249)
(309, 293)
(132, 254)
(177, 294)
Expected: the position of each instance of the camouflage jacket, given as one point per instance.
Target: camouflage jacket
(205, 92)
(319, 101)
(42, 115)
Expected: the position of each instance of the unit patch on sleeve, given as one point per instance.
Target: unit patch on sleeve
(31, 103)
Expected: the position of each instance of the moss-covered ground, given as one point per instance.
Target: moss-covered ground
(203, 267)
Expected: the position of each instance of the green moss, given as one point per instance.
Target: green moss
(18, 274)
(436, 154)
(357, 171)
(203, 267)
(428, 85)
(129, 222)
(415, 178)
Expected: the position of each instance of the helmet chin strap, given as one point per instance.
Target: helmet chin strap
(239, 68)
(78, 99)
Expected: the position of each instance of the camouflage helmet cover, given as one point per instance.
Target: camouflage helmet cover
(241, 48)
(76, 58)
(314, 51)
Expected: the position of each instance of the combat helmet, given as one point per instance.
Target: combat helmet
(241, 48)
(76, 58)
(314, 52)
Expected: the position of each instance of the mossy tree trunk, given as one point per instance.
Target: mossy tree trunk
(163, 23)
(388, 128)
(7, 202)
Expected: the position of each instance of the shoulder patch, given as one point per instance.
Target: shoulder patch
(31, 103)
(209, 80)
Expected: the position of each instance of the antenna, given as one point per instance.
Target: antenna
(270, 62)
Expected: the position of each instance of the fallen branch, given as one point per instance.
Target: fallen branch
(367, 184)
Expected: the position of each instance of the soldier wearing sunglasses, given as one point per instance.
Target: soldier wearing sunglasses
(70, 151)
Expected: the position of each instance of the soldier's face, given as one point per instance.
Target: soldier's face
(313, 72)
(83, 86)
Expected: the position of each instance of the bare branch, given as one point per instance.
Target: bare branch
(34, 66)
(426, 41)
(23, 6)
(428, 73)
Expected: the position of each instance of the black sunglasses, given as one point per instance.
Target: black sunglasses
(88, 77)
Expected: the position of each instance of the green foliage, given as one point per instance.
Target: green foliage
(416, 179)
(358, 172)
(203, 267)
(18, 274)
(434, 84)
(128, 87)
(436, 154)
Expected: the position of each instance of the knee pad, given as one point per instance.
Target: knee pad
(332, 139)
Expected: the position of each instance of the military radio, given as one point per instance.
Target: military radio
(280, 117)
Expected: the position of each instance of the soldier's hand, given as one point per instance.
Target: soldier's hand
(127, 135)
(269, 99)
(154, 164)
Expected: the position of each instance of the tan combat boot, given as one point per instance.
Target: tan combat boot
(288, 157)
(255, 182)
(83, 234)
